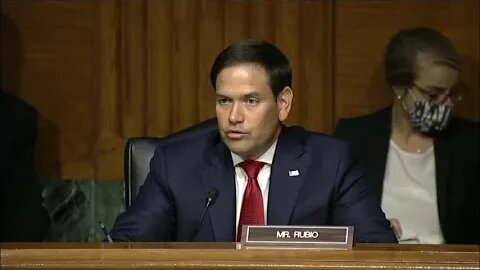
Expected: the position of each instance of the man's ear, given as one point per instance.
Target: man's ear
(284, 103)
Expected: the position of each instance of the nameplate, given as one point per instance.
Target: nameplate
(293, 236)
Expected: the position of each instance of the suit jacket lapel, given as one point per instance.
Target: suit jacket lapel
(289, 159)
(220, 175)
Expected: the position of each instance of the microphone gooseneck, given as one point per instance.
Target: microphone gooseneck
(105, 232)
(210, 199)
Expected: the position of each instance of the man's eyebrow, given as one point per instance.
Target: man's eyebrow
(252, 94)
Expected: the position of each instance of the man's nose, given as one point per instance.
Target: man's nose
(236, 113)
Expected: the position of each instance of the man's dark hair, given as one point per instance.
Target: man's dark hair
(402, 52)
(257, 52)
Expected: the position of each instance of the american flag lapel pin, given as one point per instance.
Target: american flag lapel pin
(293, 173)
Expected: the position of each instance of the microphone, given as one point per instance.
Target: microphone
(211, 197)
(104, 230)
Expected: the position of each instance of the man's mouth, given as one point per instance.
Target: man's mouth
(235, 134)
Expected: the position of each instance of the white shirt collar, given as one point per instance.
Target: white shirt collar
(267, 157)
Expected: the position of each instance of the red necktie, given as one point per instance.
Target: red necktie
(252, 206)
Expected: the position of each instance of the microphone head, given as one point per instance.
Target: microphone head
(212, 195)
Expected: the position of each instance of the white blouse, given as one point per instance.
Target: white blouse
(410, 195)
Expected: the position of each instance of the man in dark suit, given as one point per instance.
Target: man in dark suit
(422, 163)
(23, 217)
(260, 171)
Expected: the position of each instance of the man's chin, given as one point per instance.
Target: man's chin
(238, 148)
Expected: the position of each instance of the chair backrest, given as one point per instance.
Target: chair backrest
(140, 150)
(138, 153)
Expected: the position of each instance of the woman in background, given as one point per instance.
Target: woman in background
(422, 162)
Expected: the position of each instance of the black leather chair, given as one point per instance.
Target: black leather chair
(140, 150)
(138, 153)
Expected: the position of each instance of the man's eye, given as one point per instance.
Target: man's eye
(251, 101)
(222, 101)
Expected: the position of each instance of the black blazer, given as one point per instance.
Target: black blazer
(456, 164)
(22, 216)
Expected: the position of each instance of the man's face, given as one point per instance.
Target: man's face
(249, 116)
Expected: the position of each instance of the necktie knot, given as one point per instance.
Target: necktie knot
(252, 168)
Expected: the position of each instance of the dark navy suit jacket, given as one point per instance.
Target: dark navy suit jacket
(330, 190)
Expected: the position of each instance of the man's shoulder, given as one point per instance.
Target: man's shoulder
(323, 149)
(192, 131)
(314, 139)
(189, 134)
(190, 143)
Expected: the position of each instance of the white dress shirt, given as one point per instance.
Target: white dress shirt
(410, 195)
(263, 178)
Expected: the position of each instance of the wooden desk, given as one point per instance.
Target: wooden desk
(225, 256)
